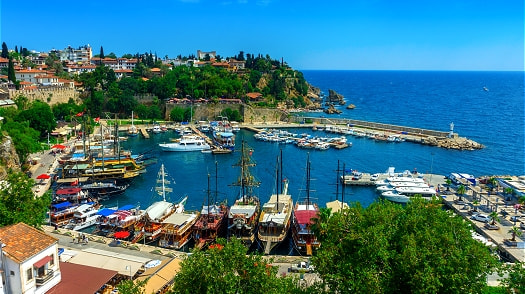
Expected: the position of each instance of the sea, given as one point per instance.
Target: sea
(487, 107)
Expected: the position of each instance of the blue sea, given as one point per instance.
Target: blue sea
(487, 107)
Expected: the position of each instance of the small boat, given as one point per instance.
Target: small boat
(156, 129)
(186, 143)
(244, 213)
(304, 239)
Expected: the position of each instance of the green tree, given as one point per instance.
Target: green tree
(228, 268)
(131, 287)
(177, 114)
(102, 53)
(5, 51)
(494, 217)
(515, 280)
(461, 191)
(515, 232)
(18, 204)
(39, 116)
(24, 138)
(387, 248)
(11, 71)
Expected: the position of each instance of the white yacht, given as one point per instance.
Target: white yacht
(393, 185)
(186, 143)
(389, 180)
(85, 216)
(403, 194)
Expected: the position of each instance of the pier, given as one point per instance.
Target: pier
(448, 140)
(144, 132)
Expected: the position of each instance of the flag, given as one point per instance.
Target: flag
(80, 113)
(97, 119)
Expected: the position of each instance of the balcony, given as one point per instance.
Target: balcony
(41, 280)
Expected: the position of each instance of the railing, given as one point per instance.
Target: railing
(45, 278)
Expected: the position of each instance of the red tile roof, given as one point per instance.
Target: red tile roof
(77, 278)
(23, 242)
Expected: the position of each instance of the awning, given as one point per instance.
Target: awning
(62, 205)
(68, 191)
(106, 212)
(42, 261)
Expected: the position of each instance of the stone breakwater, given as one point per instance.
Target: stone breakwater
(457, 143)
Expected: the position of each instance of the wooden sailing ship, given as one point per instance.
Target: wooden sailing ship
(150, 225)
(244, 213)
(211, 223)
(275, 218)
(304, 239)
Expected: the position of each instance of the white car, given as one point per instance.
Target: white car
(515, 218)
(481, 217)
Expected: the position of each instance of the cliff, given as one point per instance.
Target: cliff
(8, 157)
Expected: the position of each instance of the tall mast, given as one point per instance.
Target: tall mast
(281, 170)
(246, 181)
(337, 179)
(308, 181)
(343, 187)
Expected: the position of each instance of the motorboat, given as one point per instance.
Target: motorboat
(156, 129)
(390, 180)
(84, 216)
(404, 194)
(186, 143)
(393, 185)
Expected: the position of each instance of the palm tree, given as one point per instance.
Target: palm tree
(493, 184)
(461, 191)
(448, 182)
(476, 204)
(515, 232)
(494, 216)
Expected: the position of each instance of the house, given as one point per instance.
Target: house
(4, 62)
(29, 75)
(28, 260)
(254, 96)
(201, 54)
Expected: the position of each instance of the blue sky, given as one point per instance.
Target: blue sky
(351, 34)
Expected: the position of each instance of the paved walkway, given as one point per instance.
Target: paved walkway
(497, 236)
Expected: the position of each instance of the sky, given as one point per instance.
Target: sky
(331, 35)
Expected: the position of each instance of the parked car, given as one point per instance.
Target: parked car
(515, 218)
(481, 218)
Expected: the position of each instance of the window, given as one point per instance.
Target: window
(29, 274)
(52, 261)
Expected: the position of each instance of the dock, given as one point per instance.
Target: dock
(144, 132)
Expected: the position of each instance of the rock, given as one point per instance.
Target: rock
(334, 97)
(350, 106)
(332, 110)
(8, 156)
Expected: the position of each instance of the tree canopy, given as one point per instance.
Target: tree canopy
(18, 204)
(227, 268)
(387, 248)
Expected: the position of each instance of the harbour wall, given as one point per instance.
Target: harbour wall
(371, 126)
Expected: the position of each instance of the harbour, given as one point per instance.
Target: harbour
(368, 156)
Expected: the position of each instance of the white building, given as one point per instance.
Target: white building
(28, 260)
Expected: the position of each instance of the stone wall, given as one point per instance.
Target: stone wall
(51, 95)
(250, 114)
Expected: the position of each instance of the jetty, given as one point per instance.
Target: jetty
(379, 131)
(144, 132)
